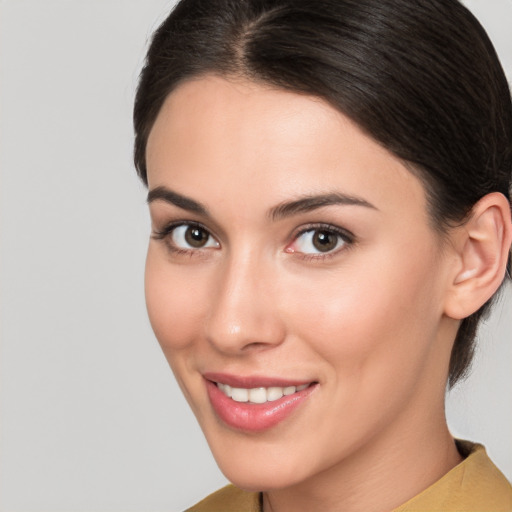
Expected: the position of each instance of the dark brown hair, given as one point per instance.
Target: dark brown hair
(421, 78)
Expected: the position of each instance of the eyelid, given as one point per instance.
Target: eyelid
(166, 232)
(167, 215)
(348, 238)
(170, 226)
(344, 233)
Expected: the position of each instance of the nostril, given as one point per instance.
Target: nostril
(255, 345)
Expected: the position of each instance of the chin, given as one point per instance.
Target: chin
(257, 479)
(260, 466)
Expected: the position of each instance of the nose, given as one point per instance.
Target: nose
(243, 316)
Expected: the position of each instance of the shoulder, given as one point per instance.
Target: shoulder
(475, 485)
(228, 499)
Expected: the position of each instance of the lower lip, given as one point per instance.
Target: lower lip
(254, 417)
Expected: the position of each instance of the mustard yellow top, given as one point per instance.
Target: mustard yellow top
(475, 485)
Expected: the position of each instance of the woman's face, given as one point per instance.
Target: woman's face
(292, 256)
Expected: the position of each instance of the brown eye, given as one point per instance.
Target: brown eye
(189, 237)
(320, 240)
(196, 237)
(325, 241)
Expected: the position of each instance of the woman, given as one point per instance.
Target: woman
(329, 187)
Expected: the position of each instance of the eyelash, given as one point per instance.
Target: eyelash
(346, 236)
(165, 233)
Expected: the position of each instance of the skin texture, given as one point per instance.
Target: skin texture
(367, 321)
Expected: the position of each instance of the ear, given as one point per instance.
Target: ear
(482, 246)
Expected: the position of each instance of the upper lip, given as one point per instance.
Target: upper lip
(253, 381)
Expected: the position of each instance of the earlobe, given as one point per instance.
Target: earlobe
(483, 246)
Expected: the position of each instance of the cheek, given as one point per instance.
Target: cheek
(368, 318)
(174, 302)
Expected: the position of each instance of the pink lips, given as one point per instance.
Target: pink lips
(249, 416)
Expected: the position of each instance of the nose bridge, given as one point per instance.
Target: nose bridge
(243, 312)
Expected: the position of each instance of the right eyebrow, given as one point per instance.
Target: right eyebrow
(183, 202)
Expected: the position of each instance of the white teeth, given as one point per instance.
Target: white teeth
(274, 394)
(226, 389)
(240, 394)
(259, 395)
(289, 390)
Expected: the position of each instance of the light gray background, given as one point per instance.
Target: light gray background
(92, 419)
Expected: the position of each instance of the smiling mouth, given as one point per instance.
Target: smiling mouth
(259, 395)
(256, 403)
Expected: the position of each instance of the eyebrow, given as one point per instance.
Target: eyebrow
(183, 202)
(309, 203)
(283, 210)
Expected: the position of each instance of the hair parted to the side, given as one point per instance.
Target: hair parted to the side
(421, 78)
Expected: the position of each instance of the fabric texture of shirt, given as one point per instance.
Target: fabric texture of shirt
(474, 485)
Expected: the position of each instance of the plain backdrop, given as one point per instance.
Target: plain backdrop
(91, 418)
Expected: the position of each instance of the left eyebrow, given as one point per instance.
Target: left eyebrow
(309, 203)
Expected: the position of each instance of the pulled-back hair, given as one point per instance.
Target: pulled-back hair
(421, 78)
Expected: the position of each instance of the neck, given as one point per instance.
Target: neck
(380, 477)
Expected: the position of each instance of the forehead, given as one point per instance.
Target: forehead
(219, 136)
(239, 118)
